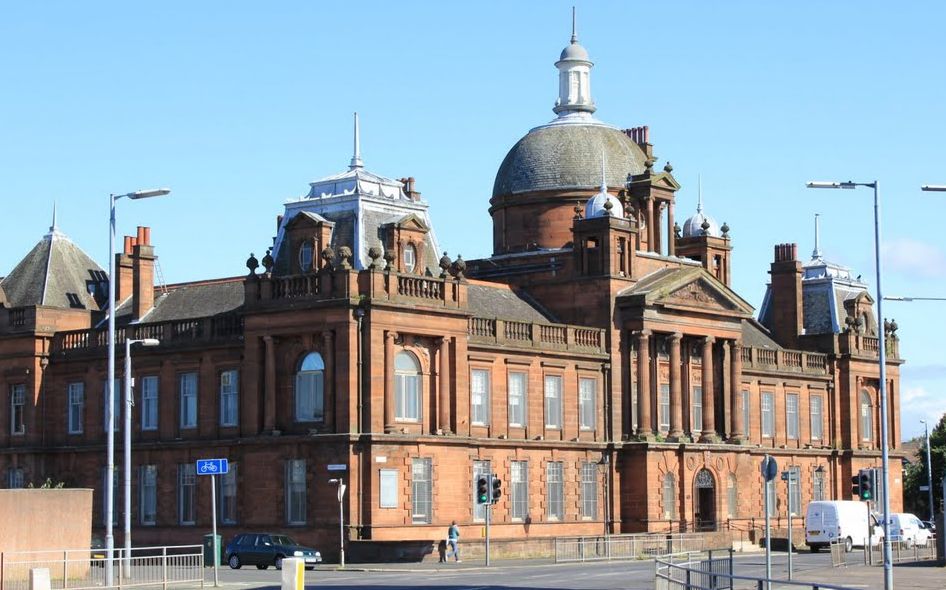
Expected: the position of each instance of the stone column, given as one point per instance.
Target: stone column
(444, 387)
(269, 386)
(644, 427)
(676, 397)
(709, 406)
(328, 385)
(738, 429)
(671, 237)
(389, 381)
(650, 223)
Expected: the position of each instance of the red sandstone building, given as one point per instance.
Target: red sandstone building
(598, 362)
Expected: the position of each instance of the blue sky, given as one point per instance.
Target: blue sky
(236, 106)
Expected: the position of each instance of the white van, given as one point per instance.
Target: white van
(907, 529)
(846, 520)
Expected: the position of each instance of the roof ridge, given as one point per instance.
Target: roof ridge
(220, 281)
(49, 260)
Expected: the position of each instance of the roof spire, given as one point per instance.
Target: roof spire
(699, 202)
(54, 228)
(356, 157)
(604, 182)
(574, 28)
(816, 253)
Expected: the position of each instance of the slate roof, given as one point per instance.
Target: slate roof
(568, 156)
(501, 302)
(56, 273)
(754, 334)
(190, 300)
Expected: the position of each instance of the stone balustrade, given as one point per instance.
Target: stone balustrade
(535, 335)
(198, 331)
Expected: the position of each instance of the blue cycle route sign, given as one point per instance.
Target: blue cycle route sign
(212, 466)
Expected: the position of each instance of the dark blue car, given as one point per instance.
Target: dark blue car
(266, 549)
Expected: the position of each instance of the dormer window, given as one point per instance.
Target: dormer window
(410, 258)
(305, 256)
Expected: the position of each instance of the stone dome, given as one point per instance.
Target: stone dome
(595, 207)
(566, 157)
(693, 226)
(573, 52)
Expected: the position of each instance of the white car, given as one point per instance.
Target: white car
(843, 521)
(908, 529)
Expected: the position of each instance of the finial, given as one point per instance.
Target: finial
(699, 202)
(816, 253)
(356, 157)
(668, 168)
(574, 28)
(54, 228)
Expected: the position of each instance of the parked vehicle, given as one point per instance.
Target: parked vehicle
(908, 529)
(844, 520)
(266, 549)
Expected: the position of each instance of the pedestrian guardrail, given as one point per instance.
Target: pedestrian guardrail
(713, 570)
(83, 569)
(900, 552)
(630, 546)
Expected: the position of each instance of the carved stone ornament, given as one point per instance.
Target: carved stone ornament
(344, 257)
(252, 263)
(668, 168)
(388, 260)
(374, 253)
(445, 263)
(725, 230)
(697, 294)
(704, 479)
(458, 267)
(705, 228)
(577, 210)
(268, 261)
(677, 230)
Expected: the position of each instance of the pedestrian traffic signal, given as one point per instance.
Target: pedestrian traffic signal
(866, 489)
(497, 485)
(482, 490)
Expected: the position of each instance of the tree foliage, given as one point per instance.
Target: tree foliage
(915, 476)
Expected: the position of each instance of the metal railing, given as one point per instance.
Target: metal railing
(81, 569)
(713, 570)
(633, 546)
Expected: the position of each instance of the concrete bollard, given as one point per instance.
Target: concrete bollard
(293, 574)
(39, 578)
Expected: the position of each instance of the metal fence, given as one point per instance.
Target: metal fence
(709, 570)
(632, 546)
(80, 569)
(900, 552)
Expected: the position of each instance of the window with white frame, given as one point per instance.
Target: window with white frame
(388, 488)
(589, 490)
(407, 385)
(587, 403)
(76, 395)
(817, 422)
(228, 495)
(791, 416)
(149, 402)
(517, 398)
(186, 494)
(148, 495)
(118, 393)
(479, 396)
(480, 469)
(295, 491)
(817, 485)
(15, 478)
(867, 418)
(663, 422)
(410, 258)
(187, 390)
(768, 414)
(731, 497)
(310, 387)
(794, 490)
(670, 496)
(519, 490)
(229, 397)
(421, 491)
(18, 408)
(553, 401)
(555, 490)
(696, 415)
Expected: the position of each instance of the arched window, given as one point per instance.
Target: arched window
(867, 422)
(410, 258)
(406, 387)
(310, 389)
(305, 256)
(670, 496)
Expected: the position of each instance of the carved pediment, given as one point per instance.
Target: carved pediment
(700, 294)
(308, 219)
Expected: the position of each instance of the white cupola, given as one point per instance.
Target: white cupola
(574, 79)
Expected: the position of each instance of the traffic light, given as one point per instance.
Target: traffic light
(482, 490)
(866, 488)
(497, 485)
(856, 486)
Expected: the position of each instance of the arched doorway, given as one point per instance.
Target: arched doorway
(704, 508)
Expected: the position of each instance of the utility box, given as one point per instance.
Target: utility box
(209, 550)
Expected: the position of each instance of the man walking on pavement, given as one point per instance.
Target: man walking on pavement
(453, 541)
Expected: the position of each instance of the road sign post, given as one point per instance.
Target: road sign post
(788, 479)
(213, 467)
(769, 471)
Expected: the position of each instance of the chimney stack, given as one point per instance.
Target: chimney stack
(142, 263)
(787, 316)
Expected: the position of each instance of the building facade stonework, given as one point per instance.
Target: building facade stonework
(598, 362)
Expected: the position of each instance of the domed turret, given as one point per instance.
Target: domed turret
(604, 204)
(574, 79)
(700, 224)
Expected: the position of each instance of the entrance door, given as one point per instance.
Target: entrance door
(705, 508)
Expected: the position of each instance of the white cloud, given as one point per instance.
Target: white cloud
(914, 258)
(918, 403)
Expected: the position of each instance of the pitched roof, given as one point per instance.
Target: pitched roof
(190, 300)
(56, 273)
(500, 301)
(662, 286)
(755, 335)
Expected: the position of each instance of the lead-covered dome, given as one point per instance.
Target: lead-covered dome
(566, 157)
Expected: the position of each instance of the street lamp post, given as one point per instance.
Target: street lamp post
(110, 385)
(882, 361)
(127, 408)
(340, 482)
(929, 468)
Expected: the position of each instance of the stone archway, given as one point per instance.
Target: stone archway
(704, 500)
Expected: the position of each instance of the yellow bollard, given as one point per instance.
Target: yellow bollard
(293, 574)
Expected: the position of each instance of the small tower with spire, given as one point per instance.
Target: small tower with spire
(574, 79)
(356, 161)
(704, 240)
